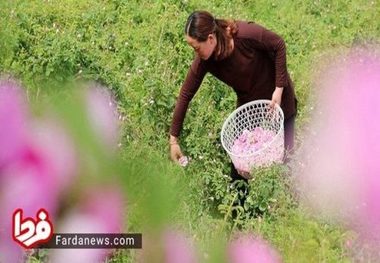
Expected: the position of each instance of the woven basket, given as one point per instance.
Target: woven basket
(248, 117)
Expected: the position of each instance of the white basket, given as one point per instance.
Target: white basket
(248, 117)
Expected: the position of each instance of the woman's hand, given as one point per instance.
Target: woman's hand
(276, 97)
(175, 149)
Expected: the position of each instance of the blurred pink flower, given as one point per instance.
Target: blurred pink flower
(103, 116)
(178, 248)
(364, 117)
(13, 115)
(37, 166)
(250, 249)
(43, 168)
(28, 184)
(15, 163)
(36, 162)
(100, 212)
(339, 171)
(249, 143)
(57, 149)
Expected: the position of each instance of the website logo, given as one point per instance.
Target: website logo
(32, 233)
(29, 232)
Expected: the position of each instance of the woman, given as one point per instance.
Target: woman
(245, 56)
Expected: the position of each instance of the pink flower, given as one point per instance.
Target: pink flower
(13, 117)
(28, 183)
(249, 143)
(100, 212)
(38, 165)
(43, 168)
(103, 116)
(339, 171)
(168, 246)
(57, 149)
(35, 165)
(16, 162)
(249, 249)
(178, 248)
(183, 161)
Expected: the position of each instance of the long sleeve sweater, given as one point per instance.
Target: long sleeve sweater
(256, 66)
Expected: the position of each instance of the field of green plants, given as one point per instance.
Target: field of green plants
(137, 49)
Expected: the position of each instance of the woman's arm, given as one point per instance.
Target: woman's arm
(190, 86)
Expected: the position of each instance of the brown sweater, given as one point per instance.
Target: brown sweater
(255, 68)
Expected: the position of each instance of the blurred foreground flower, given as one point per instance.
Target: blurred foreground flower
(38, 168)
(178, 248)
(31, 177)
(338, 165)
(173, 246)
(103, 116)
(100, 212)
(13, 115)
(250, 249)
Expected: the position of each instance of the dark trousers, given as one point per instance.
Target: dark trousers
(289, 144)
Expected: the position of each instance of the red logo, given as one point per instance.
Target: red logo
(29, 232)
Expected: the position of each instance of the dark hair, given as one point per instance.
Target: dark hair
(201, 23)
